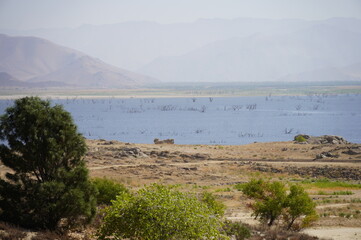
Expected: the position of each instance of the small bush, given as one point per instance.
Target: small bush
(236, 230)
(215, 206)
(108, 190)
(239, 186)
(159, 212)
(273, 202)
(300, 138)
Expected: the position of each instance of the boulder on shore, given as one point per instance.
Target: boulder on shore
(325, 139)
(165, 141)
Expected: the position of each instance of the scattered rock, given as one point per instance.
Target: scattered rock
(130, 152)
(165, 141)
(326, 155)
(351, 152)
(190, 168)
(103, 142)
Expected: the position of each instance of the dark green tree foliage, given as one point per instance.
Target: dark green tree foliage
(159, 212)
(49, 180)
(108, 190)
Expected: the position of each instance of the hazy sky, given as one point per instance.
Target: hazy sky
(29, 14)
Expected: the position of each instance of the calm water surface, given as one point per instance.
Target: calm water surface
(228, 120)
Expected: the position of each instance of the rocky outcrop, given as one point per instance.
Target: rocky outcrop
(130, 152)
(325, 139)
(326, 155)
(165, 141)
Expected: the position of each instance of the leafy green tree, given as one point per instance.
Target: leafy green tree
(299, 204)
(269, 198)
(159, 212)
(108, 190)
(272, 202)
(49, 180)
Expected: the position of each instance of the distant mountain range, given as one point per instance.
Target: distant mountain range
(31, 61)
(215, 50)
(306, 54)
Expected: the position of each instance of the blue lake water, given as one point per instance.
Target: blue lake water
(223, 120)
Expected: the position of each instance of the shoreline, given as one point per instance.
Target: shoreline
(202, 91)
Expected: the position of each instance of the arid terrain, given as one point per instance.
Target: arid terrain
(331, 174)
(219, 168)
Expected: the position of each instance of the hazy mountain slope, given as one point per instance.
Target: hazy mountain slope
(324, 74)
(38, 60)
(8, 81)
(87, 71)
(132, 45)
(27, 57)
(262, 57)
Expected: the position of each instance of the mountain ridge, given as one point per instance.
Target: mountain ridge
(32, 59)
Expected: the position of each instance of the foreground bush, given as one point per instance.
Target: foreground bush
(159, 212)
(215, 206)
(272, 203)
(49, 181)
(108, 190)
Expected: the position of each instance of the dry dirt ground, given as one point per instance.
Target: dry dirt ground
(218, 168)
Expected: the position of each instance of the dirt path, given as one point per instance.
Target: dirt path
(156, 164)
(335, 205)
(335, 233)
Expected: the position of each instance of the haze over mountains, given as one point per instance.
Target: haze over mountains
(216, 50)
(31, 61)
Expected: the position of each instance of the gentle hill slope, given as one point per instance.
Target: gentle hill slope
(33, 59)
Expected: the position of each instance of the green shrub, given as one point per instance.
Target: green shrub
(215, 206)
(159, 212)
(239, 186)
(297, 204)
(300, 139)
(108, 190)
(269, 199)
(236, 230)
(273, 202)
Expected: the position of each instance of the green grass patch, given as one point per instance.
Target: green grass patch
(336, 193)
(343, 193)
(223, 190)
(239, 186)
(326, 183)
